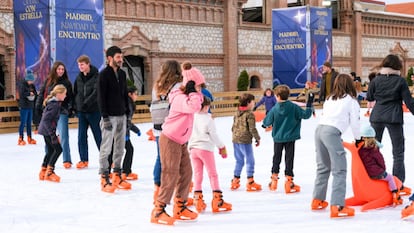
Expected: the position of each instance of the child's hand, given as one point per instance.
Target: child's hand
(257, 143)
(223, 152)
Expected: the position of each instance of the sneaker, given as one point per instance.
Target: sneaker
(408, 211)
(159, 216)
(130, 176)
(318, 204)
(235, 183)
(341, 211)
(252, 186)
(181, 211)
(82, 164)
(67, 165)
(31, 141)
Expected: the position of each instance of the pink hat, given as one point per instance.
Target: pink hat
(193, 74)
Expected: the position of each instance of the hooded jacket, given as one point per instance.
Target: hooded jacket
(268, 101)
(178, 124)
(285, 118)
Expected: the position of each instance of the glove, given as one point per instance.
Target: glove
(72, 113)
(107, 124)
(254, 109)
(264, 127)
(223, 152)
(358, 141)
(190, 87)
(309, 103)
(126, 138)
(139, 133)
(257, 143)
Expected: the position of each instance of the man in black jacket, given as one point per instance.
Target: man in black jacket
(113, 104)
(86, 105)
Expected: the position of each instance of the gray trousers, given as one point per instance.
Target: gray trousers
(116, 136)
(330, 157)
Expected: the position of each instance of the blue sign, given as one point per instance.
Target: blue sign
(299, 39)
(32, 39)
(79, 30)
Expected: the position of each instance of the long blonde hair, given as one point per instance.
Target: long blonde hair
(58, 89)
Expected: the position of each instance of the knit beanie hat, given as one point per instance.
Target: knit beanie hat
(368, 132)
(29, 76)
(191, 73)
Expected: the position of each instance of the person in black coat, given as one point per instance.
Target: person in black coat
(27, 96)
(113, 104)
(389, 90)
(86, 105)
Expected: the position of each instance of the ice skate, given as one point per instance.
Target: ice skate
(341, 211)
(252, 186)
(218, 204)
(181, 211)
(273, 182)
(291, 187)
(159, 216)
(199, 203)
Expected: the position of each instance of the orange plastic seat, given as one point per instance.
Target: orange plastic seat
(370, 193)
(259, 115)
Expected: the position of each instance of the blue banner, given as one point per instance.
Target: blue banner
(32, 39)
(289, 46)
(321, 40)
(79, 30)
(302, 41)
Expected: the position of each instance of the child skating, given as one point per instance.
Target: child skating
(201, 145)
(244, 130)
(285, 118)
(47, 128)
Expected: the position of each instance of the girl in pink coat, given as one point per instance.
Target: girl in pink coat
(176, 167)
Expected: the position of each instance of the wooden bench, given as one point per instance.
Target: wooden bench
(224, 104)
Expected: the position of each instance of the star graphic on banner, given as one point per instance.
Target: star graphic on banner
(299, 16)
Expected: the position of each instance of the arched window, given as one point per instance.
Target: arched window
(254, 82)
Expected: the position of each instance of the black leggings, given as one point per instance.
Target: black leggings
(53, 151)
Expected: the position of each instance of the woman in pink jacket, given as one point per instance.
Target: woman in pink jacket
(175, 161)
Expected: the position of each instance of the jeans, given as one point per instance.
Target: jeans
(242, 153)
(63, 129)
(84, 121)
(157, 165)
(26, 115)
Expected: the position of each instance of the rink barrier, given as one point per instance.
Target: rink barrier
(224, 104)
